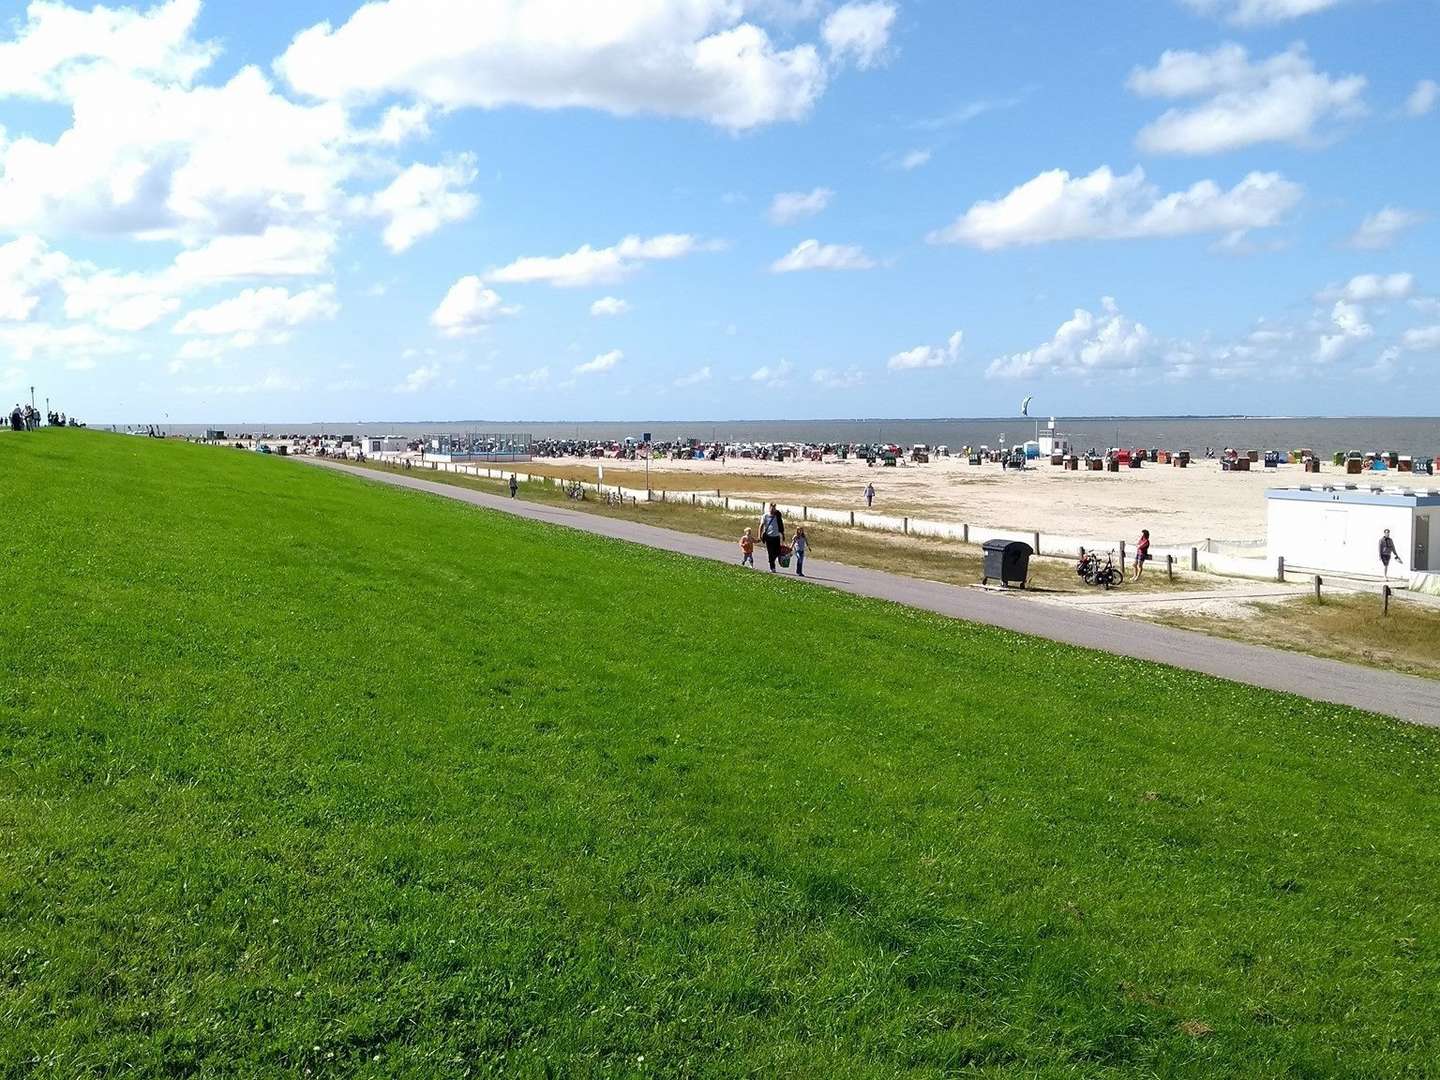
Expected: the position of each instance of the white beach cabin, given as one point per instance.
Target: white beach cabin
(1339, 528)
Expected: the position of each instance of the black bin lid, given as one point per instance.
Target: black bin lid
(1007, 545)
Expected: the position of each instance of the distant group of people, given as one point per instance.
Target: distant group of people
(27, 418)
(772, 535)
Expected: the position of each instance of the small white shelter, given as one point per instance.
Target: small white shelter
(1050, 441)
(1339, 528)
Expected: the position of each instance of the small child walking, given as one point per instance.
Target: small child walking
(802, 545)
(747, 549)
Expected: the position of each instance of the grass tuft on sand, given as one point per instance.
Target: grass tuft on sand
(301, 775)
(1340, 626)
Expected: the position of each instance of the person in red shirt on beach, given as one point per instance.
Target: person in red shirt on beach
(1142, 553)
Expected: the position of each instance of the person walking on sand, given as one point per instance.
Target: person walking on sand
(802, 545)
(1142, 552)
(747, 549)
(1388, 552)
(514, 485)
(772, 531)
(869, 495)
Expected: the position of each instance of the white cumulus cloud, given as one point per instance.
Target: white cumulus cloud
(58, 45)
(1260, 12)
(1349, 328)
(27, 268)
(604, 362)
(813, 255)
(260, 316)
(859, 32)
(1382, 228)
(772, 375)
(591, 266)
(1423, 98)
(1085, 343)
(609, 306)
(1422, 339)
(1056, 206)
(832, 379)
(157, 160)
(694, 378)
(1363, 288)
(419, 379)
(790, 206)
(422, 199)
(468, 307)
(533, 379)
(928, 356)
(695, 59)
(1280, 99)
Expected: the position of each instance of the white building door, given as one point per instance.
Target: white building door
(1332, 529)
(1421, 560)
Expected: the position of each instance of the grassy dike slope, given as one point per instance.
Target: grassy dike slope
(298, 773)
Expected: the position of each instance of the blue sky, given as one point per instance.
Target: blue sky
(709, 209)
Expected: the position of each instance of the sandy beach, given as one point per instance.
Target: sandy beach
(1178, 506)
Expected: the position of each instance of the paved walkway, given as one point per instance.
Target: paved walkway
(1401, 696)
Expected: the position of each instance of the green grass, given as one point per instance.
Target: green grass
(300, 775)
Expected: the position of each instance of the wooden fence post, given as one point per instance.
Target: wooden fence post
(852, 517)
(1122, 554)
(906, 526)
(1317, 588)
(1280, 568)
(1170, 567)
(1195, 559)
(965, 533)
(1037, 543)
(1385, 600)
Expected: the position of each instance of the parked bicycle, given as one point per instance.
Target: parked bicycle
(1093, 572)
(575, 490)
(614, 498)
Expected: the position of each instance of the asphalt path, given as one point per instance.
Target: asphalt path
(1402, 696)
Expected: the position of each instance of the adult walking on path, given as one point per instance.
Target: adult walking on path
(772, 531)
(869, 495)
(514, 485)
(1388, 552)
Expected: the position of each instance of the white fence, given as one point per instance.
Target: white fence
(1223, 557)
